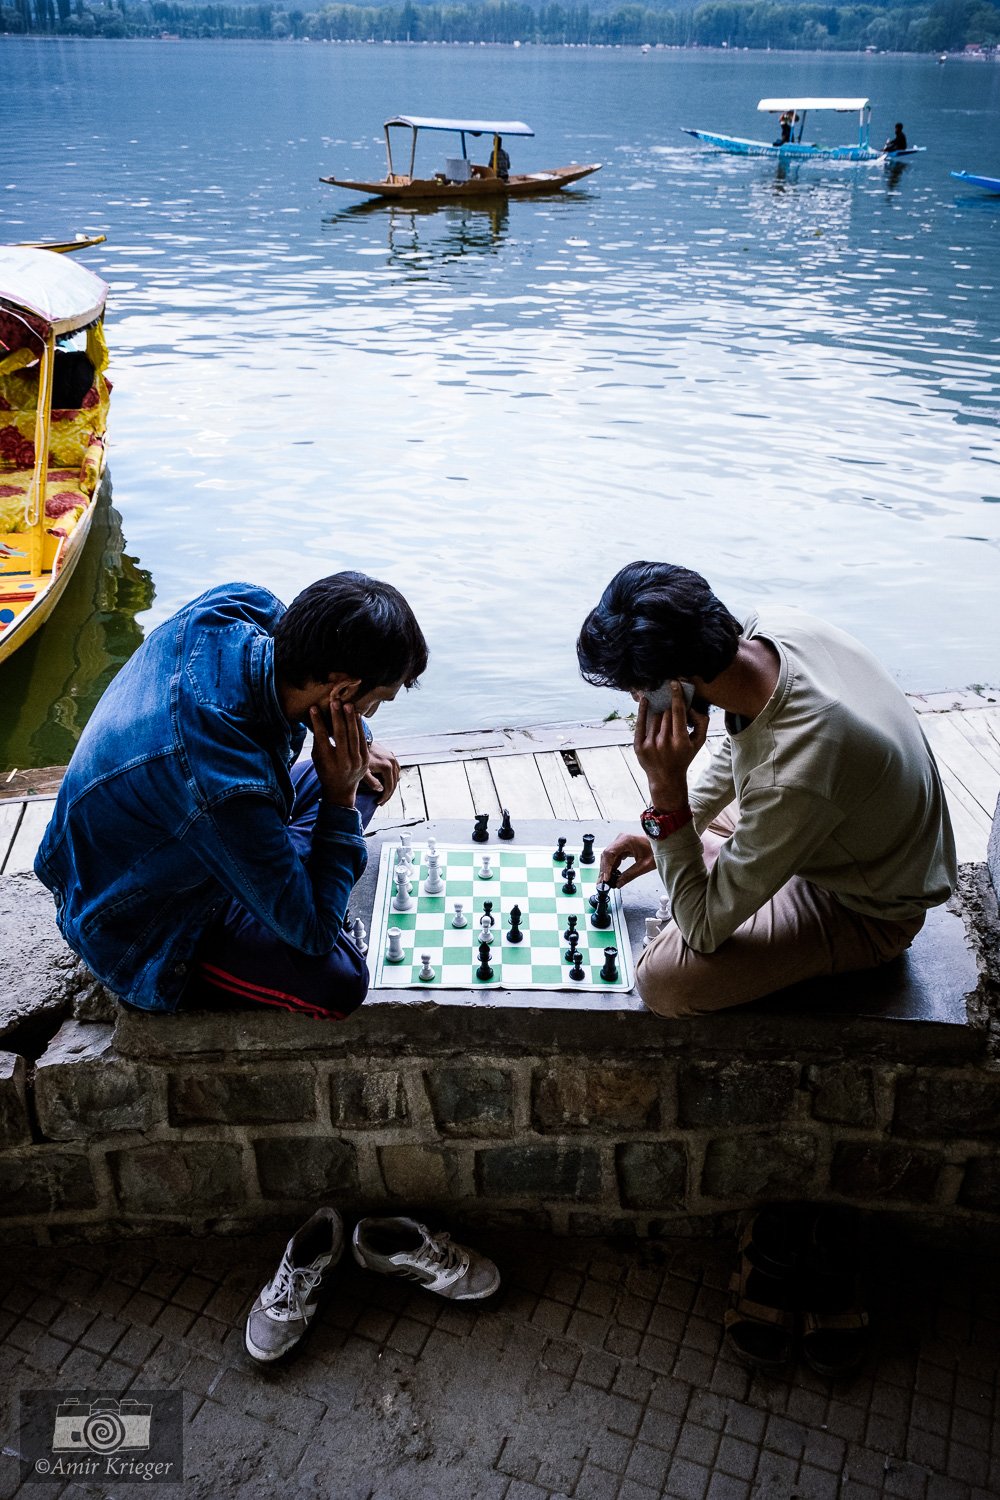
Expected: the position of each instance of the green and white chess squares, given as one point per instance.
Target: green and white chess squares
(520, 876)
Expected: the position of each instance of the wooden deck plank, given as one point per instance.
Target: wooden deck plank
(582, 799)
(971, 825)
(390, 812)
(612, 782)
(555, 779)
(446, 790)
(983, 731)
(10, 817)
(520, 787)
(24, 846)
(484, 793)
(964, 760)
(411, 794)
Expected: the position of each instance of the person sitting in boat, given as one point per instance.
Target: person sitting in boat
(785, 124)
(896, 142)
(194, 860)
(818, 836)
(501, 161)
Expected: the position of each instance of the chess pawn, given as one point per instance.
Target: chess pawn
(486, 930)
(459, 919)
(485, 970)
(426, 972)
(571, 922)
(577, 971)
(573, 940)
(560, 853)
(663, 910)
(485, 872)
(488, 912)
(394, 952)
(402, 901)
(569, 884)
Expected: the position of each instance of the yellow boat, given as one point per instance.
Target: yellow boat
(65, 247)
(53, 414)
(461, 178)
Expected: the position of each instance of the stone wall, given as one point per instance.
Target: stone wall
(581, 1122)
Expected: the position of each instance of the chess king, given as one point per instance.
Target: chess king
(818, 836)
(193, 859)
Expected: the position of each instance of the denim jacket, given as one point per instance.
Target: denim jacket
(178, 797)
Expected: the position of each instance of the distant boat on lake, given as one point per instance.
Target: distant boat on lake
(794, 148)
(990, 184)
(462, 178)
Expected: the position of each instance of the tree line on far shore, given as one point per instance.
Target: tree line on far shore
(935, 26)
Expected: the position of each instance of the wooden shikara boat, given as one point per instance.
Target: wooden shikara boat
(990, 184)
(461, 178)
(794, 148)
(53, 414)
(65, 247)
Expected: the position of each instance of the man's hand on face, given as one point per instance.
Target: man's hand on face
(383, 771)
(665, 746)
(634, 846)
(341, 763)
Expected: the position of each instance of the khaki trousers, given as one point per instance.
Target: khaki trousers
(801, 933)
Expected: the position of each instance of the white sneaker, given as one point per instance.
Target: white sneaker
(402, 1247)
(285, 1308)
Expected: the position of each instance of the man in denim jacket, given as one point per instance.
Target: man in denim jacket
(191, 860)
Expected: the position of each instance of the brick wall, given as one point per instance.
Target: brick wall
(579, 1122)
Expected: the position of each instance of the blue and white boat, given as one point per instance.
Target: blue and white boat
(793, 124)
(991, 184)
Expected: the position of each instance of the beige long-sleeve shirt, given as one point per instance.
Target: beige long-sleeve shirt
(834, 782)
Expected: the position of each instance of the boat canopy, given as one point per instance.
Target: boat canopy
(779, 106)
(61, 294)
(469, 127)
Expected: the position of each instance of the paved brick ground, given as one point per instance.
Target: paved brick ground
(598, 1374)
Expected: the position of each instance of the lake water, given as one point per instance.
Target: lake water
(788, 380)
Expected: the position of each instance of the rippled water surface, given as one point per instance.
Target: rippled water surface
(788, 380)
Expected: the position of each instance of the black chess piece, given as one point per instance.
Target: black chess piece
(570, 927)
(577, 971)
(485, 970)
(506, 829)
(560, 854)
(488, 912)
(601, 915)
(574, 941)
(609, 969)
(481, 834)
(514, 933)
(569, 882)
(587, 856)
(570, 861)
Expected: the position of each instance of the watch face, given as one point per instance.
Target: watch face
(652, 827)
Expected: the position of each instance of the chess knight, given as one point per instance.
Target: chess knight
(818, 835)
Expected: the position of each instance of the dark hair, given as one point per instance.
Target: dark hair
(349, 623)
(656, 621)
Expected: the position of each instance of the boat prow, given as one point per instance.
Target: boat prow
(989, 184)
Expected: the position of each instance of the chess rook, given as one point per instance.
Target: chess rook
(609, 969)
(394, 949)
(587, 854)
(485, 869)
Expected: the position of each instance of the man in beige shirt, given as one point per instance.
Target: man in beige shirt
(819, 835)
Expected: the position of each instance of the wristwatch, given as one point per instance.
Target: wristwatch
(658, 824)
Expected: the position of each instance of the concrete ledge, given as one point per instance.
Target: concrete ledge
(577, 1117)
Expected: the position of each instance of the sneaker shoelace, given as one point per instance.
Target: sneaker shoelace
(291, 1289)
(439, 1255)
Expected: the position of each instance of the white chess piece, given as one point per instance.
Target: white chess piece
(432, 844)
(406, 843)
(426, 972)
(459, 919)
(652, 931)
(360, 935)
(485, 872)
(402, 901)
(486, 933)
(663, 910)
(394, 953)
(433, 885)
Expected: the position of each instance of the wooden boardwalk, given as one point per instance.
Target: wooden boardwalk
(584, 771)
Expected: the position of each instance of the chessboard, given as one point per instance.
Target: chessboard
(528, 878)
